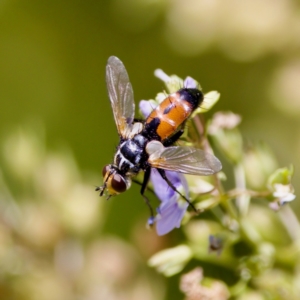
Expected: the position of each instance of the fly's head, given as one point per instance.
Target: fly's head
(114, 182)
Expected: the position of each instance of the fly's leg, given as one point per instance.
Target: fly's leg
(171, 140)
(140, 183)
(138, 120)
(144, 186)
(164, 176)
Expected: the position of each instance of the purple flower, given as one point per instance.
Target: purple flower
(190, 83)
(173, 207)
(146, 107)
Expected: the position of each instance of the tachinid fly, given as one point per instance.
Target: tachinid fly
(149, 144)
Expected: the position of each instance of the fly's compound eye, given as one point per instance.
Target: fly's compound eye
(105, 170)
(118, 183)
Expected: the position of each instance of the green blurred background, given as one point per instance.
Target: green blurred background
(53, 94)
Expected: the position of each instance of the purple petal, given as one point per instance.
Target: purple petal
(172, 208)
(146, 107)
(161, 187)
(190, 82)
(171, 214)
(159, 73)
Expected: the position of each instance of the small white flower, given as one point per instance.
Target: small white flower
(284, 193)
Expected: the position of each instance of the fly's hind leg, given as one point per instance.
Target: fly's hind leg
(164, 176)
(171, 140)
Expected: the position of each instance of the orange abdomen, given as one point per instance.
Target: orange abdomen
(172, 113)
(166, 118)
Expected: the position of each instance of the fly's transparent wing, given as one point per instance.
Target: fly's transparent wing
(184, 160)
(120, 94)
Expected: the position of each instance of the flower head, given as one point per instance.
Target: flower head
(279, 184)
(174, 83)
(282, 194)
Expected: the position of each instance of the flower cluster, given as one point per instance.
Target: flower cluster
(240, 224)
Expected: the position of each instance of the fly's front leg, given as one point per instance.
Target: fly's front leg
(140, 183)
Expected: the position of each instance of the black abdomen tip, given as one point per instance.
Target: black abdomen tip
(193, 96)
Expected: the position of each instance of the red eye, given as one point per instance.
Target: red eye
(118, 183)
(105, 170)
